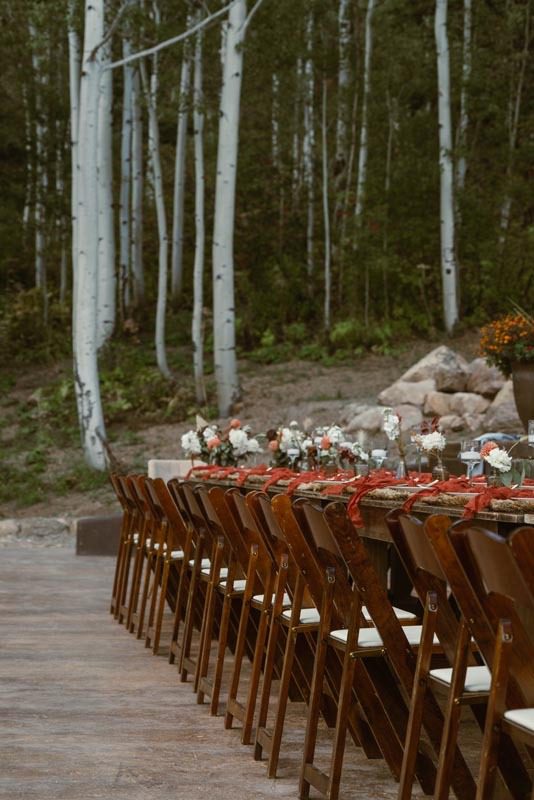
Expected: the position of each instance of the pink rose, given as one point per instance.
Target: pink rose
(326, 444)
(487, 448)
(214, 442)
(235, 423)
(273, 445)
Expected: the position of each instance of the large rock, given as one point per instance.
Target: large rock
(502, 414)
(370, 419)
(447, 368)
(9, 527)
(406, 392)
(474, 422)
(469, 403)
(411, 416)
(352, 410)
(451, 422)
(484, 379)
(42, 527)
(438, 404)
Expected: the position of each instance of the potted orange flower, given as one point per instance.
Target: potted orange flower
(508, 343)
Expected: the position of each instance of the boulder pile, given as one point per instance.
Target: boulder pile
(468, 397)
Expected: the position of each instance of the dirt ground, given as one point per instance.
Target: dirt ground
(308, 392)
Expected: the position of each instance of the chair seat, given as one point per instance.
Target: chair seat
(477, 679)
(258, 599)
(369, 637)
(177, 555)
(223, 573)
(204, 564)
(522, 717)
(239, 585)
(308, 616)
(400, 613)
(135, 538)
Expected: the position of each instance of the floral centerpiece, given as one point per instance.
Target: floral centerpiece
(215, 446)
(287, 445)
(508, 340)
(433, 442)
(392, 428)
(499, 461)
(508, 343)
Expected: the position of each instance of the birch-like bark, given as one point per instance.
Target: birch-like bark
(85, 342)
(364, 135)
(126, 182)
(513, 129)
(198, 268)
(28, 147)
(461, 164)
(150, 90)
(296, 150)
(74, 98)
(138, 273)
(308, 148)
(275, 122)
(449, 271)
(107, 281)
(343, 82)
(326, 214)
(224, 222)
(41, 174)
(179, 174)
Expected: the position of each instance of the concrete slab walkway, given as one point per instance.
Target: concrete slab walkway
(87, 712)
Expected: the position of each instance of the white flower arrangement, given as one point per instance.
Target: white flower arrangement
(191, 444)
(335, 434)
(242, 443)
(433, 442)
(391, 425)
(499, 459)
(359, 452)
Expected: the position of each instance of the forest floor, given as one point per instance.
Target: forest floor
(273, 394)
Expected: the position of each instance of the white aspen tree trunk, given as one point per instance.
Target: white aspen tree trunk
(107, 279)
(461, 164)
(179, 174)
(85, 340)
(198, 268)
(364, 143)
(159, 198)
(138, 274)
(60, 219)
(513, 128)
(343, 83)
(326, 214)
(29, 165)
(392, 106)
(74, 98)
(308, 148)
(296, 152)
(126, 182)
(223, 232)
(275, 122)
(41, 174)
(449, 271)
(346, 198)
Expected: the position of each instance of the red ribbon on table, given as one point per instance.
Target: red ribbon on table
(381, 479)
(487, 494)
(278, 474)
(209, 470)
(246, 472)
(457, 485)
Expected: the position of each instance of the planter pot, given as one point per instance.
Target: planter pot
(523, 382)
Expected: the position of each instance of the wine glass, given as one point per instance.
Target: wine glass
(470, 455)
(379, 455)
(293, 454)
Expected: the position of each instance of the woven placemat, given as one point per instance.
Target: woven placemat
(449, 500)
(521, 505)
(387, 493)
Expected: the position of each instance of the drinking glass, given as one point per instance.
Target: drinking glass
(415, 438)
(379, 456)
(293, 454)
(470, 455)
(530, 435)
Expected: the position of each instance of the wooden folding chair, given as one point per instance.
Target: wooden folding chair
(465, 582)
(227, 590)
(129, 537)
(397, 645)
(136, 610)
(509, 608)
(466, 683)
(294, 616)
(173, 552)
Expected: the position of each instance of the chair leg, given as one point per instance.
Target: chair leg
(452, 716)
(124, 536)
(158, 621)
(281, 706)
(122, 589)
(312, 721)
(183, 587)
(252, 694)
(415, 718)
(153, 593)
(144, 597)
(208, 617)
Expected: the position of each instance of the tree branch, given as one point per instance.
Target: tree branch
(249, 17)
(186, 34)
(112, 28)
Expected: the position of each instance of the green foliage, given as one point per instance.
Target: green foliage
(26, 334)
